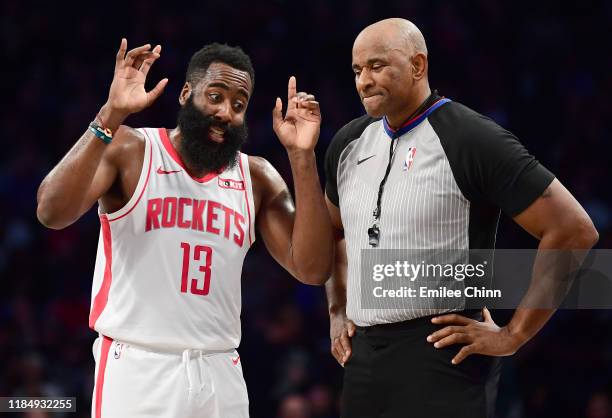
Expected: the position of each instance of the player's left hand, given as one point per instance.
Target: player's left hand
(484, 337)
(299, 129)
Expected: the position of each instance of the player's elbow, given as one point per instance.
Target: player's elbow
(314, 275)
(313, 280)
(46, 218)
(50, 217)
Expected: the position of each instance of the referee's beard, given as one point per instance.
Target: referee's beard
(201, 153)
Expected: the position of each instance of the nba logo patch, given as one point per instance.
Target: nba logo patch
(118, 348)
(409, 158)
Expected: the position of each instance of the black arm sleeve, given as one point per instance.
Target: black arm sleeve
(490, 165)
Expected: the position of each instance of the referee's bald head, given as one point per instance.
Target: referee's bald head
(390, 66)
(394, 33)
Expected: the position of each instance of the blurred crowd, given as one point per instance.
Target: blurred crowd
(541, 69)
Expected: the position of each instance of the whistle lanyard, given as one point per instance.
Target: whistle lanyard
(374, 230)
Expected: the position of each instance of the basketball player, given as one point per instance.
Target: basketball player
(178, 210)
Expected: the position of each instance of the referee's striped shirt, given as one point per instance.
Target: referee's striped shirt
(452, 171)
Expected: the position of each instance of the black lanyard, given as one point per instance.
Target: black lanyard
(374, 230)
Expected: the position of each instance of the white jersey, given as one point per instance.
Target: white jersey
(169, 263)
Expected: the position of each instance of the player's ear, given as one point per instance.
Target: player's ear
(185, 93)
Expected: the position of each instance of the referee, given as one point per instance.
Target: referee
(420, 171)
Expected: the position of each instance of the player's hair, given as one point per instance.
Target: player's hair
(233, 56)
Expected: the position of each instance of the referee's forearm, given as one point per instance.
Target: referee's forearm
(560, 253)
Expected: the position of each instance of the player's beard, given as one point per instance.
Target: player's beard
(200, 152)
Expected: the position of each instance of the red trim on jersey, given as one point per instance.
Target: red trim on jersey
(163, 134)
(246, 196)
(106, 344)
(102, 297)
(143, 187)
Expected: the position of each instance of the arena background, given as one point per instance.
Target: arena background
(542, 69)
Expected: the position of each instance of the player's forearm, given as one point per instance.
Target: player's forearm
(560, 253)
(311, 239)
(62, 194)
(335, 287)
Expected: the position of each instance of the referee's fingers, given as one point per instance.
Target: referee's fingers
(336, 351)
(444, 332)
(346, 346)
(452, 319)
(463, 353)
(350, 325)
(455, 338)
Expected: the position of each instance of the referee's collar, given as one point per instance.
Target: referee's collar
(414, 121)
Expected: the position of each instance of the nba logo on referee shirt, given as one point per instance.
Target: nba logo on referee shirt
(409, 158)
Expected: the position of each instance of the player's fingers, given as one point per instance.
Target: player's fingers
(444, 332)
(142, 58)
(291, 92)
(148, 60)
(463, 353)
(157, 91)
(452, 319)
(304, 97)
(134, 53)
(277, 113)
(456, 338)
(309, 104)
(121, 53)
(311, 107)
(147, 63)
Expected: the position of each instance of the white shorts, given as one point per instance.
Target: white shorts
(136, 382)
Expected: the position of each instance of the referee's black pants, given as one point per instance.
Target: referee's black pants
(395, 373)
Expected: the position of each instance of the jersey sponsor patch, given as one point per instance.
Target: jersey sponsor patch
(409, 158)
(231, 184)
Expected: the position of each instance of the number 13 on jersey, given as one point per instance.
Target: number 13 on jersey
(202, 254)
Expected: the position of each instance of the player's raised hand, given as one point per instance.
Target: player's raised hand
(127, 92)
(299, 129)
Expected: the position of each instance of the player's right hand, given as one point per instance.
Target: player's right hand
(341, 330)
(127, 93)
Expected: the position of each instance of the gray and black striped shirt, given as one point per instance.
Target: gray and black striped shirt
(452, 171)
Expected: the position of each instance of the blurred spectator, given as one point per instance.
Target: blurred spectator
(294, 406)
